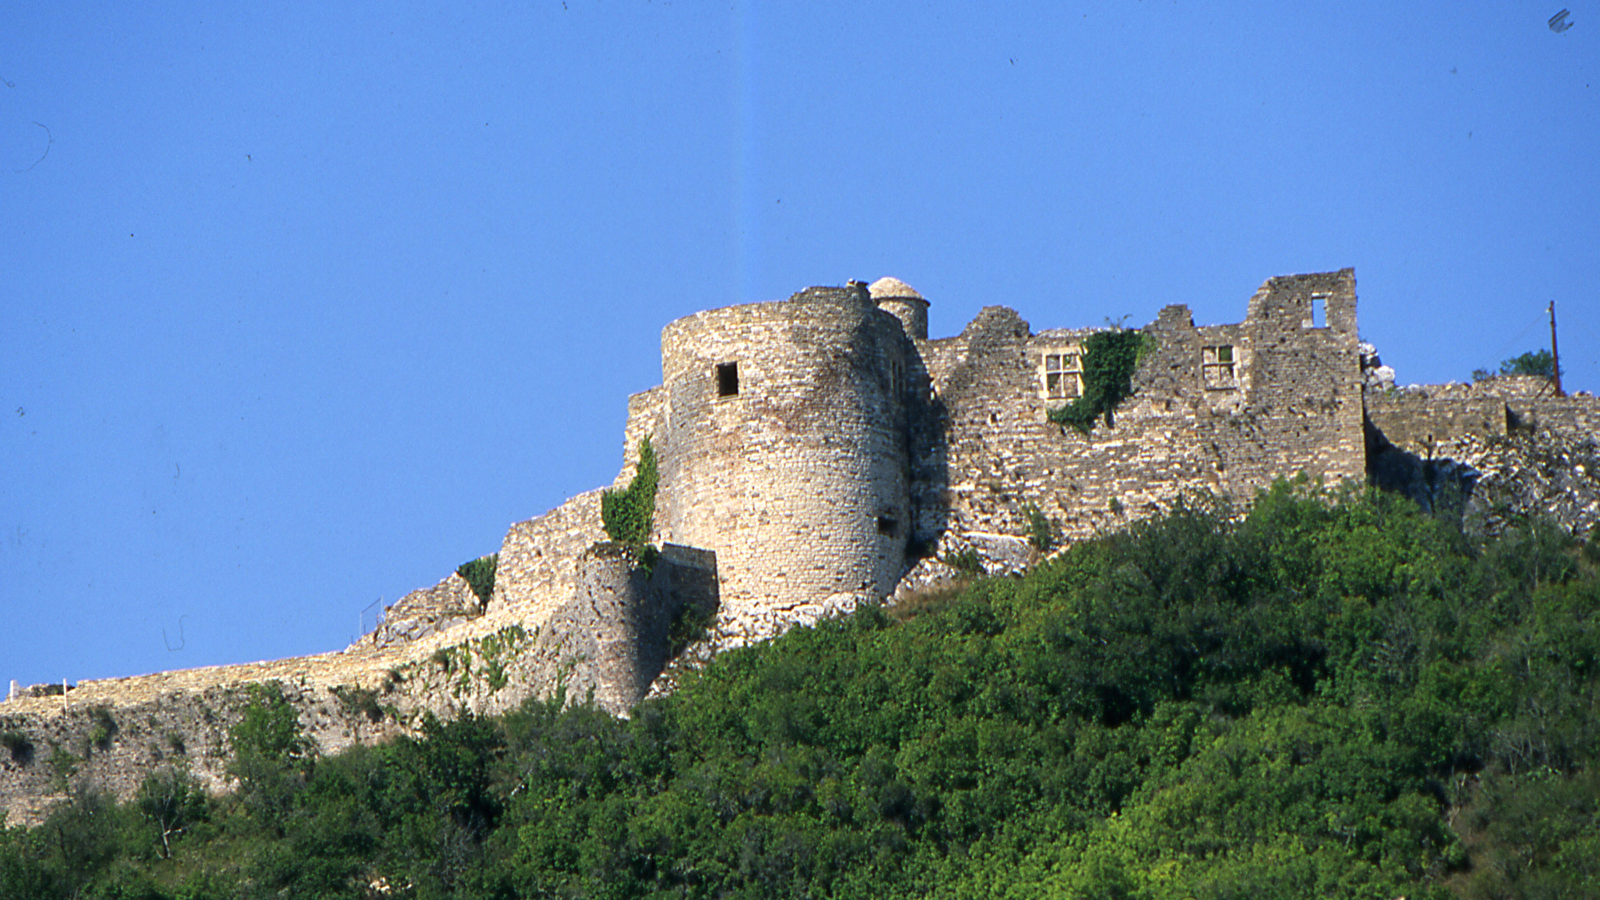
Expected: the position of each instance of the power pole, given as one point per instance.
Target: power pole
(1555, 353)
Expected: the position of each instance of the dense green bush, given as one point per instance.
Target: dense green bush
(1330, 697)
(479, 575)
(629, 513)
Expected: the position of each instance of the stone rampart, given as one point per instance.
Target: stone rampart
(536, 571)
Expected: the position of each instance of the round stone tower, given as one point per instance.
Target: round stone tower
(901, 300)
(785, 452)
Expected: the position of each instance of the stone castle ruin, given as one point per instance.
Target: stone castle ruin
(821, 452)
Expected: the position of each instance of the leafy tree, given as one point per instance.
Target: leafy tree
(1539, 363)
(271, 757)
(172, 801)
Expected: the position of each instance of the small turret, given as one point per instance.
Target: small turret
(902, 301)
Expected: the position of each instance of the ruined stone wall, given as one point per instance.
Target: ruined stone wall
(428, 610)
(1004, 453)
(536, 570)
(112, 732)
(1420, 424)
(797, 478)
(1304, 394)
(1428, 419)
(647, 411)
(1284, 397)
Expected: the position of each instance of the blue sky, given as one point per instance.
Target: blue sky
(301, 307)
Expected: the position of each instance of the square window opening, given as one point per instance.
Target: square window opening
(1063, 376)
(727, 379)
(886, 525)
(1217, 368)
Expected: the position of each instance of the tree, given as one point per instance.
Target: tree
(270, 756)
(1538, 363)
(171, 800)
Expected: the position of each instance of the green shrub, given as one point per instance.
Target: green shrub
(479, 575)
(1109, 359)
(967, 561)
(103, 729)
(1539, 363)
(628, 514)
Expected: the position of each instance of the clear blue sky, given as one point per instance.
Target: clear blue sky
(301, 305)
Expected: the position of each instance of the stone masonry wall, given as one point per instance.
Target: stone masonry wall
(536, 572)
(1291, 403)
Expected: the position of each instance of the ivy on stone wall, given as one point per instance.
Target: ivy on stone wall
(479, 575)
(1109, 358)
(628, 514)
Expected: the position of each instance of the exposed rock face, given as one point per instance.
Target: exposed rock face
(1529, 474)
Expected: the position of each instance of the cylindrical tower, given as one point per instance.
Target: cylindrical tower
(902, 301)
(786, 453)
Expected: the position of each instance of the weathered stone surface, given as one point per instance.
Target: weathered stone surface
(428, 611)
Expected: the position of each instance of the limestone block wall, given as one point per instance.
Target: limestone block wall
(112, 732)
(784, 450)
(647, 412)
(1304, 382)
(1577, 416)
(1004, 453)
(1283, 397)
(1418, 423)
(536, 571)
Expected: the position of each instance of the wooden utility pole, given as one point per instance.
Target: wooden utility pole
(1555, 353)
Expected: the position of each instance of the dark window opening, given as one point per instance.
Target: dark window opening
(727, 379)
(886, 525)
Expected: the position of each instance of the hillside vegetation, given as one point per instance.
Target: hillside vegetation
(1328, 698)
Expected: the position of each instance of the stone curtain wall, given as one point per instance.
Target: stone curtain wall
(537, 569)
(799, 481)
(1294, 406)
(1004, 453)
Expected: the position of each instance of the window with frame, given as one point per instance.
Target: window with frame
(1217, 366)
(1063, 375)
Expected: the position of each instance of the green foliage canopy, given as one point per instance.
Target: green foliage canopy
(1334, 696)
(1539, 363)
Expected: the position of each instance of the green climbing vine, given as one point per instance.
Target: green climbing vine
(627, 514)
(1109, 358)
